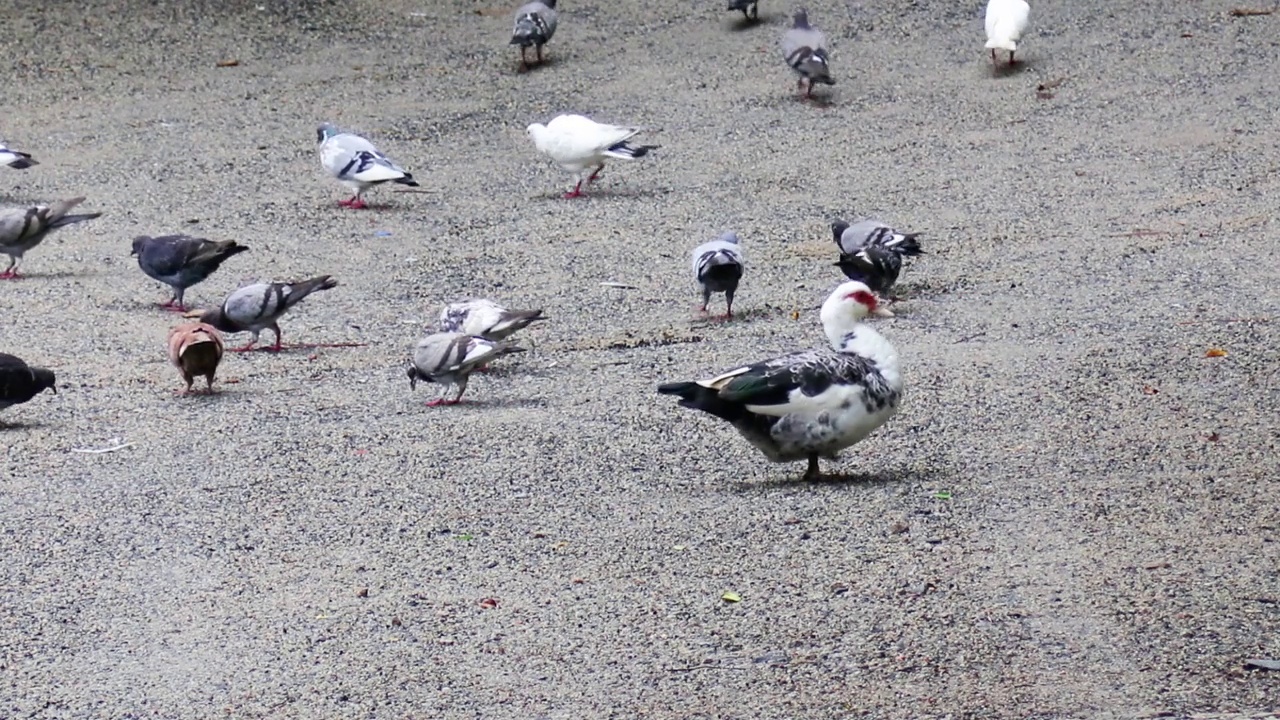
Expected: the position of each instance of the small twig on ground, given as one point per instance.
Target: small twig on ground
(1140, 233)
(967, 338)
(691, 668)
(1225, 320)
(99, 451)
(1247, 12)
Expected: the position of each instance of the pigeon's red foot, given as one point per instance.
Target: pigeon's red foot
(575, 192)
(171, 306)
(10, 275)
(354, 203)
(442, 401)
(596, 174)
(246, 348)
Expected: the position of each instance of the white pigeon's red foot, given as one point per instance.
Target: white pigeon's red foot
(574, 193)
(354, 203)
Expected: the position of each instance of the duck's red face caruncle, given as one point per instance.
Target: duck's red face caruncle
(865, 298)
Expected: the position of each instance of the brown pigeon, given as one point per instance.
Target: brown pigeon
(195, 349)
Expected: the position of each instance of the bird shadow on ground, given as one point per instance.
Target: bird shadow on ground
(597, 193)
(33, 425)
(60, 275)
(286, 348)
(838, 480)
(742, 24)
(523, 69)
(1007, 69)
(490, 404)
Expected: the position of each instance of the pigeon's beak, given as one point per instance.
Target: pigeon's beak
(132, 253)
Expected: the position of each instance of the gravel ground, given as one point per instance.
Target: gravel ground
(1075, 514)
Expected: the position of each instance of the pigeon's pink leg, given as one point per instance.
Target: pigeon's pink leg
(443, 401)
(993, 58)
(1011, 60)
(172, 306)
(10, 274)
(575, 192)
(539, 54)
(277, 347)
(596, 174)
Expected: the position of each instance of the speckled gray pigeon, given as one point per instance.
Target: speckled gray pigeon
(535, 24)
(450, 358)
(24, 228)
(486, 318)
(181, 261)
(805, 49)
(356, 163)
(257, 307)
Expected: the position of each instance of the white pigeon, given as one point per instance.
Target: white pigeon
(578, 143)
(1006, 21)
(15, 159)
(356, 163)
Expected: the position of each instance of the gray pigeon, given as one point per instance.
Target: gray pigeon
(486, 318)
(356, 163)
(24, 228)
(805, 48)
(256, 307)
(15, 159)
(872, 252)
(449, 358)
(20, 382)
(181, 261)
(717, 266)
(744, 6)
(535, 24)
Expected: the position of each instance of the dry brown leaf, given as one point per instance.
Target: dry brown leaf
(228, 63)
(1216, 352)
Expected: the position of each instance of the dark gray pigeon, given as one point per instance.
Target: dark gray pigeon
(24, 228)
(20, 382)
(257, 307)
(15, 159)
(805, 49)
(535, 24)
(449, 358)
(181, 261)
(872, 252)
(746, 5)
(717, 266)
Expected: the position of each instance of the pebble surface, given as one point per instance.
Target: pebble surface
(1075, 514)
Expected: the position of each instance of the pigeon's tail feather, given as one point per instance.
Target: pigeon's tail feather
(406, 180)
(23, 161)
(811, 64)
(300, 290)
(627, 151)
(73, 219)
(905, 245)
(998, 43)
(530, 29)
(742, 5)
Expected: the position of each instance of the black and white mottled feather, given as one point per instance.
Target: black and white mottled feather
(15, 159)
(872, 252)
(750, 8)
(356, 163)
(257, 307)
(805, 49)
(24, 228)
(19, 382)
(812, 403)
(485, 318)
(718, 266)
(535, 24)
(449, 358)
(181, 261)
